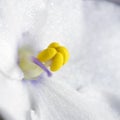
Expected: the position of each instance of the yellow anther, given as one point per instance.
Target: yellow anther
(53, 45)
(55, 56)
(57, 62)
(64, 52)
(46, 54)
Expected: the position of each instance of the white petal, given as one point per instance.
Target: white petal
(56, 101)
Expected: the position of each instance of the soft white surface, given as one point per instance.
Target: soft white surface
(56, 101)
(90, 30)
(14, 101)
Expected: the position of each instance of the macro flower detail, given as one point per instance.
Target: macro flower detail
(54, 56)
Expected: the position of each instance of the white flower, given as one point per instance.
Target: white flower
(36, 23)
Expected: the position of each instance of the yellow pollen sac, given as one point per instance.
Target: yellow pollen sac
(46, 54)
(64, 52)
(57, 62)
(53, 45)
(55, 56)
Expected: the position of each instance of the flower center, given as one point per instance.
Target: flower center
(54, 56)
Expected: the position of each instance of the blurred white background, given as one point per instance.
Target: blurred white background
(90, 29)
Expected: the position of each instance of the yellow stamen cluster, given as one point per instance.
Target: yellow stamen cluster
(56, 54)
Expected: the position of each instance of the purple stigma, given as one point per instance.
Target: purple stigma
(41, 65)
